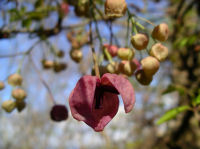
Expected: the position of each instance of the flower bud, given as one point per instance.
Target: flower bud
(161, 32)
(115, 8)
(112, 49)
(142, 78)
(59, 66)
(60, 53)
(59, 113)
(8, 105)
(20, 106)
(127, 67)
(64, 8)
(150, 65)
(83, 9)
(125, 53)
(159, 51)
(76, 55)
(2, 86)
(140, 41)
(47, 64)
(19, 94)
(15, 79)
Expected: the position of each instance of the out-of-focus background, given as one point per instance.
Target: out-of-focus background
(43, 27)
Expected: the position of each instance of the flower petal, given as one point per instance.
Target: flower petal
(123, 86)
(99, 118)
(82, 97)
(82, 104)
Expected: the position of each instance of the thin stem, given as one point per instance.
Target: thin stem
(111, 32)
(143, 19)
(96, 67)
(42, 80)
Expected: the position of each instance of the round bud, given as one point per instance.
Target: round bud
(59, 113)
(60, 53)
(19, 94)
(2, 86)
(83, 8)
(127, 67)
(64, 8)
(59, 66)
(76, 55)
(8, 105)
(137, 63)
(125, 53)
(159, 51)
(161, 32)
(142, 78)
(140, 41)
(20, 106)
(150, 65)
(111, 68)
(15, 79)
(115, 8)
(47, 64)
(112, 49)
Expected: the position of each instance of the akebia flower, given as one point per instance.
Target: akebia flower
(95, 100)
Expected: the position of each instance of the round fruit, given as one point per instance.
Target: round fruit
(15, 79)
(8, 105)
(140, 41)
(161, 32)
(125, 53)
(19, 94)
(150, 65)
(59, 113)
(159, 51)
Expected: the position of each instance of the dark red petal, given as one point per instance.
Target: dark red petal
(82, 104)
(123, 86)
(59, 113)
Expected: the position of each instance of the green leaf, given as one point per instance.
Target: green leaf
(196, 101)
(26, 23)
(173, 88)
(172, 114)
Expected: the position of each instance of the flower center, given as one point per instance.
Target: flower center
(99, 93)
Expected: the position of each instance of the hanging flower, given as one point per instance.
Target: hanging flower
(95, 100)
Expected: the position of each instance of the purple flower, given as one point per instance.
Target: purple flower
(95, 100)
(59, 113)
